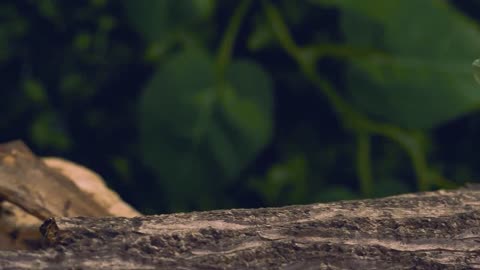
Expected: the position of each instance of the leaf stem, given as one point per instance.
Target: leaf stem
(226, 46)
(364, 165)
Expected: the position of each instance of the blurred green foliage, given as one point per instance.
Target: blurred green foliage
(201, 104)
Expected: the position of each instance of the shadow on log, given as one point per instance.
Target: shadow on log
(434, 230)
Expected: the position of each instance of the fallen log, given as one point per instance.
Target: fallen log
(431, 230)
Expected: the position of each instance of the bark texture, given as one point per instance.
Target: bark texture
(434, 230)
(34, 189)
(29, 183)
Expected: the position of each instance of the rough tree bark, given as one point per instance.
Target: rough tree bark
(434, 230)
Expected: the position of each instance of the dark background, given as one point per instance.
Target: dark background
(121, 87)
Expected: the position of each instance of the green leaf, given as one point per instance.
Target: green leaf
(198, 133)
(149, 17)
(389, 187)
(174, 114)
(285, 182)
(261, 37)
(106, 23)
(204, 8)
(156, 20)
(48, 8)
(82, 41)
(35, 91)
(47, 131)
(419, 75)
(246, 106)
(476, 70)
